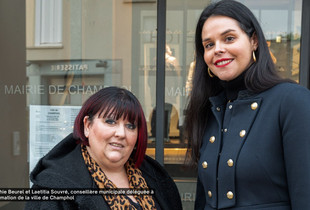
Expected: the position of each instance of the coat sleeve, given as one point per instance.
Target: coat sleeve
(200, 200)
(157, 178)
(295, 124)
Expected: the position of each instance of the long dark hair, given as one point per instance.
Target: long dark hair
(120, 103)
(260, 76)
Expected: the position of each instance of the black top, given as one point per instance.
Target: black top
(233, 87)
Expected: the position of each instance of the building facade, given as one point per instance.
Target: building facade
(59, 52)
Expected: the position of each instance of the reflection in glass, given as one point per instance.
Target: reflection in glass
(106, 43)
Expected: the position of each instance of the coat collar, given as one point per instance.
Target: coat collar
(220, 99)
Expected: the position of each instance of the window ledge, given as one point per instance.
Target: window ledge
(46, 47)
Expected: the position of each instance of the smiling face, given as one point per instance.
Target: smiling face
(111, 141)
(227, 48)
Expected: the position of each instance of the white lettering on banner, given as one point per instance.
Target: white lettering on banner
(188, 196)
(179, 91)
(69, 67)
(74, 89)
(54, 89)
(23, 89)
(171, 36)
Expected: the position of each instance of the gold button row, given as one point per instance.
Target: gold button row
(230, 194)
(242, 134)
(254, 106)
(230, 163)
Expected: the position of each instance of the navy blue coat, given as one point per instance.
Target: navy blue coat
(256, 151)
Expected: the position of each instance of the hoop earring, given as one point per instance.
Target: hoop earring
(210, 73)
(254, 57)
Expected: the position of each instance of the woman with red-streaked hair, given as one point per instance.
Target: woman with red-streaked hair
(106, 151)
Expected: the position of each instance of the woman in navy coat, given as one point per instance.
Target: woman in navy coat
(248, 129)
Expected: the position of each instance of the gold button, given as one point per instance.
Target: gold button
(218, 109)
(230, 163)
(209, 194)
(230, 195)
(242, 133)
(254, 106)
(212, 139)
(204, 164)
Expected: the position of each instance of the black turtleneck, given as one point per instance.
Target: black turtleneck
(233, 87)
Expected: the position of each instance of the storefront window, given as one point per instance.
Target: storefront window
(281, 23)
(113, 43)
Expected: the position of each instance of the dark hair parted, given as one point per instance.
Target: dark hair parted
(119, 103)
(260, 76)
